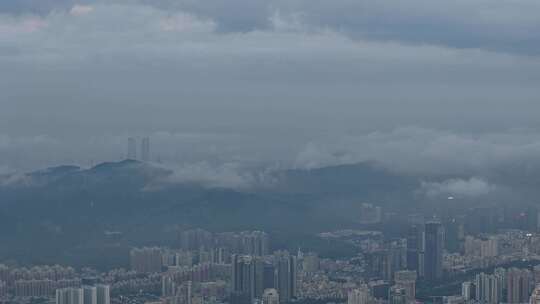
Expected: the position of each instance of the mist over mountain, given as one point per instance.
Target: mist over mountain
(67, 212)
(68, 208)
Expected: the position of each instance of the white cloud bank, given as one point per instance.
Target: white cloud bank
(421, 150)
(457, 188)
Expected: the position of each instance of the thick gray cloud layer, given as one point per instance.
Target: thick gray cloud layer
(306, 83)
(501, 25)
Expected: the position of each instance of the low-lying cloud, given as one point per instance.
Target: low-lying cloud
(427, 151)
(457, 188)
(227, 175)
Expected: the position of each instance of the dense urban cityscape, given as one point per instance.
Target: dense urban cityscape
(448, 260)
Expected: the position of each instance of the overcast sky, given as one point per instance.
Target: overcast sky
(430, 84)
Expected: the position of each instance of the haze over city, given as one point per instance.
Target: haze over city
(269, 151)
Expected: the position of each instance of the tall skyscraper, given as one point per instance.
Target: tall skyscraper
(286, 269)
(433, 255)
(414, 247)
(145, 149)
(132, 148)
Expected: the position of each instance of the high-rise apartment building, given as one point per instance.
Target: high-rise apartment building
(103, 294)
(90, 294)
(286, 274)
(247, 277)
(489, 288)
(519, 284)
(146, 260)
(70, 296)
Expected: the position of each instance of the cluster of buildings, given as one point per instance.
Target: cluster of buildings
(252, 276)
(40, 281)
(240, 268)
(54, 282)
(491, 250)
(99, 294)
(245, 242)
(232, 266)
(198, 246)
(512, 285)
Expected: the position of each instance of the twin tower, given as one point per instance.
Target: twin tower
(145, 149)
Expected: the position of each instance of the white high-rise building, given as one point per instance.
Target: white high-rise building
(61, 296)
(467, 290)
(489, 288)
(99, 294)
(70, 296)
(489, 247)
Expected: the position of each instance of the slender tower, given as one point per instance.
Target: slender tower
(145, 149)
(132, 148)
